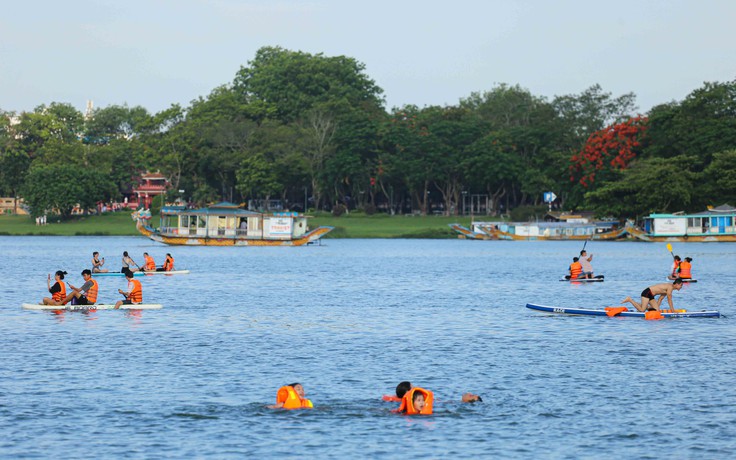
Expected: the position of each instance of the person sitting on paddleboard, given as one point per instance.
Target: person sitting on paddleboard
(648, 295)
(57, 291)
(85, 295)
(575, 269)
(168, 264)
(128, 263)
(149, 265)
(585, 263)
(675, 268)
(97, 263)
(685, 269)
(134, 294)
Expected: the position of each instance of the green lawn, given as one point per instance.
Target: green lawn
(119, 224)
(347, 226)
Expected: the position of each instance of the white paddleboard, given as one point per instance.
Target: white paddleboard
(68, 307)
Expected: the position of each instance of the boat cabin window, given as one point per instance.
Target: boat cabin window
(183, 221)
(694, 222)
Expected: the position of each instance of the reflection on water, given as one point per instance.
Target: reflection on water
(349, 320)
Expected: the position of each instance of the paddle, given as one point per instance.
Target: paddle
(669, 248)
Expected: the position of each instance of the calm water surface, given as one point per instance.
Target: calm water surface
(350, 319)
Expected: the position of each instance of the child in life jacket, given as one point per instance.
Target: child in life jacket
(291, 397)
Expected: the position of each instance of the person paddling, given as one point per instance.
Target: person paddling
(648, 295)
(675, 268)
(134, 294)
(128, 262)
(585, 264)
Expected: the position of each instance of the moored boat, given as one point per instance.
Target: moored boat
(556, 231)
(226, 224)
(712, 225)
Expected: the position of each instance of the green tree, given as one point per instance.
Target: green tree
(649, 185)
(59, 188)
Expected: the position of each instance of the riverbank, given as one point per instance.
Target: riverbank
(354, 225)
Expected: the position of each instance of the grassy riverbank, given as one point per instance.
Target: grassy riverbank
(354, 225)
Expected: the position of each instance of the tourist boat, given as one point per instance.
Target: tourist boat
(557, 225)
(600, 230)
(226, 224)
(712, 225)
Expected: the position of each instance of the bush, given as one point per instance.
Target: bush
(370, 209)
(338, 210)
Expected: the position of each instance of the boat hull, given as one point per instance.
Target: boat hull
(464, 232)
(142, 306)
(644, 236)
(628, 314)
(612, 235)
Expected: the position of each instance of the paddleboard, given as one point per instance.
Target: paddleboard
(630, 314)
(140, 306)
(595, 279)
(172, 272)
(684, 280)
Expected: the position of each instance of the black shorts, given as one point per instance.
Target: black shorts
(647, 293)
(127, 302)
(82, 300)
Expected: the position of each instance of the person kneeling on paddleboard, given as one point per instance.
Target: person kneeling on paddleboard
(134, 294)
(85, 295)
(647, 296)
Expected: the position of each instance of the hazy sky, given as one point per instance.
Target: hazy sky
(155, 53)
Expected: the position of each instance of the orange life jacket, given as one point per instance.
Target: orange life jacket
(407, 402)
(91, 294)
(169, 264)
(653, 314)
(391, 398)
(59, 296)
(685, 267)
(150, 264)
(575, 270)
(136, 294)
(291, 400)
(675, 268)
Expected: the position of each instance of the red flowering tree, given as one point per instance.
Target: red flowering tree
(612, 148)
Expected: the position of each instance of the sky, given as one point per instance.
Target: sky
(155, 53)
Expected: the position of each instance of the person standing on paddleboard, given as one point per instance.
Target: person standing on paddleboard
(585, 262)
(648, 295)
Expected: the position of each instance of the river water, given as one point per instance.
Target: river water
(350, 319)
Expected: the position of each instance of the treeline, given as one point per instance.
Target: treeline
(311, 128)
